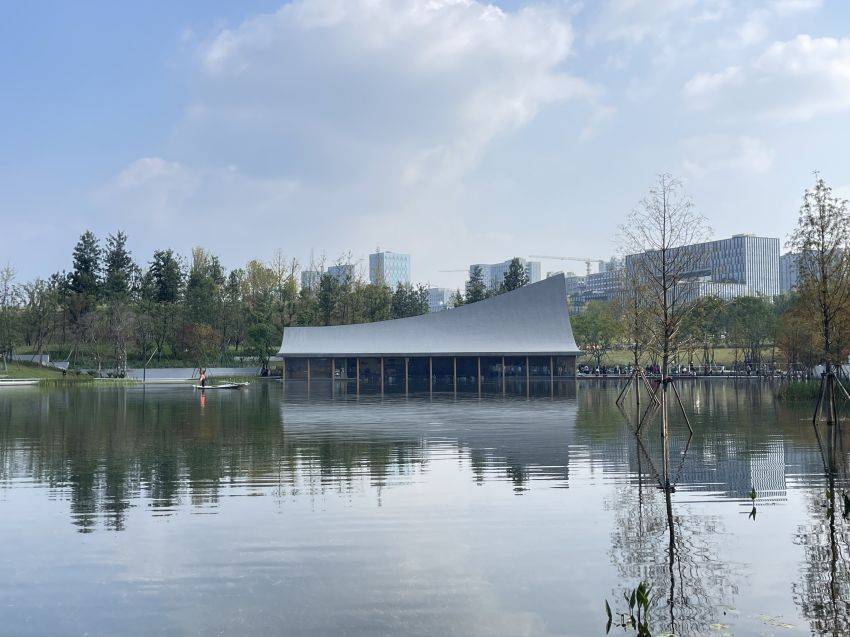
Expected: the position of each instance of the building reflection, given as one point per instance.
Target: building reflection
(105, 450)
(823, 590)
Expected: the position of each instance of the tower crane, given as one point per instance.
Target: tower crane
(587, 260)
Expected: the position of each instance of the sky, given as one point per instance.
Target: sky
(458, 131)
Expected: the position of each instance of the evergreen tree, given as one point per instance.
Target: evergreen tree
(328, 298)
(120, 269)
(409, 301)
(203, 288)
(85, 277)
(163, 282)
(515, 277)
(475, 288)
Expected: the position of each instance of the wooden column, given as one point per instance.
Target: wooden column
(430, 374)
(283, 372)
(527, 378)
(479, 377)
(333, 376)
(357, 367)
(406, 375)
(382, 376)
(454, 374)
(503, 376)
(308, 372)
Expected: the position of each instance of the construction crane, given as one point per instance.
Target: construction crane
(587, 260)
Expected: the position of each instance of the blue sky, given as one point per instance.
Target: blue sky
(457, 131)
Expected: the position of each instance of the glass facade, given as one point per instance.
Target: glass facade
(389, 268)
(743, 265)
(459, 374)
(438, 299)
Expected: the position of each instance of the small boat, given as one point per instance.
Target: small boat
(17, 382)
(222, 386)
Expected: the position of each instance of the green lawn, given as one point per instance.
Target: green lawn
(23, 370)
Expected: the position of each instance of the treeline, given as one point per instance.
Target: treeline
(761, 333)
(109, 311)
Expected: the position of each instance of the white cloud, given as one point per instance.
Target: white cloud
(707, 154)
(794, 80)
(357, 122)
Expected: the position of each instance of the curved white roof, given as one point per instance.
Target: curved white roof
(532, 320)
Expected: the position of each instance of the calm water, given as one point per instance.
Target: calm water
(130, 511)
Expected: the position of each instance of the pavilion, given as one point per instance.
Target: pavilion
(519, 336)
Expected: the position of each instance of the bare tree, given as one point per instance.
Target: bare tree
(9, 307)
(821, 240)
(659, 239)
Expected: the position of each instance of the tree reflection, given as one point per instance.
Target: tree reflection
(823, 591)
(673, 550)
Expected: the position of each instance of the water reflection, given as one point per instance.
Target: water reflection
(519, 503)
(823, 592)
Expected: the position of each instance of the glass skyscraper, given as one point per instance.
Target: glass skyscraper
(389, 268)
(742, 265)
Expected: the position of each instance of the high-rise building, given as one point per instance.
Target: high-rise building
(789, 265)
(494, 273)
(389, 268)
(743, 265)
(439, 299)
(342, 272)
(310, 279)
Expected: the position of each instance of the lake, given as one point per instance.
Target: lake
(158, 510)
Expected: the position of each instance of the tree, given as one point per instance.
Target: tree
(821, 240)
(596, 329)
(632, 312)
(328, 298)
(85, 276)
(9, 311)
(203, 288)
(660, 237)
(40, 300)
(201, 343)
(119, 266)
(262, 339)
(515, 277)
(751, 324)
(162, 291)
(409, 301)
(476, 290)
(163, 282)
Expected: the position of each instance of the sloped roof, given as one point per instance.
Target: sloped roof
(532, 320)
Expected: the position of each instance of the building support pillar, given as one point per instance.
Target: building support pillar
(430, 375)
(406, 375)
(479, 377)
(357, 367)
(527, 378)
(308, 372)
(333, 377)
(503, 376)
(552, 376)
(454, 375)
(382, 376)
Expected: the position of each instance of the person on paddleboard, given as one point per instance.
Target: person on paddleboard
(203, 378)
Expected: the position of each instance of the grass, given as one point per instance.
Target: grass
(29, 370)
(800, 390)
(722, 356)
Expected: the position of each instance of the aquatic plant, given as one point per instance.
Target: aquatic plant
(637, 617)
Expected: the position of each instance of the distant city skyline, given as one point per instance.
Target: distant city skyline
(211, 124)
